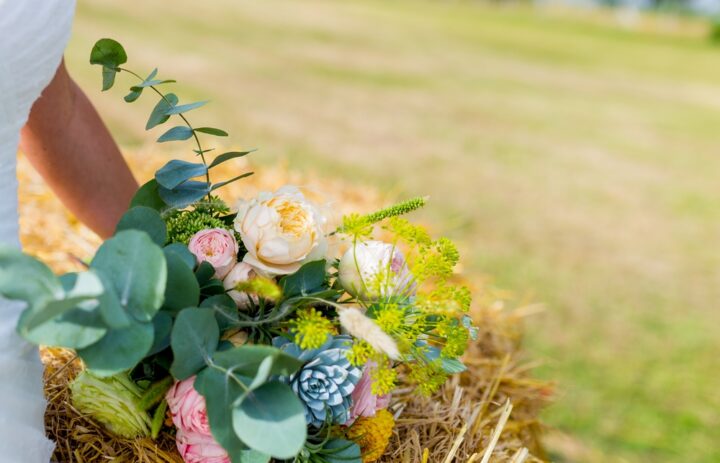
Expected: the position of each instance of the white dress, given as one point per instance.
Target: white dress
(33, 35)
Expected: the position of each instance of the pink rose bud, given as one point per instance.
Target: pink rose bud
(187, 407)
(365, 403)
(200, 448)
(217, 247)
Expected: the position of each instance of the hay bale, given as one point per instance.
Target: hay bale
(487, 414)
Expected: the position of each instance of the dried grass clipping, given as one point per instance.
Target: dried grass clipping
(487, 414)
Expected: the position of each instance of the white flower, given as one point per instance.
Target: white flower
(373, 269)
(240, 273)
(362, 327)
(281, 231)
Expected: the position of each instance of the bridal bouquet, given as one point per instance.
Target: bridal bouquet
(252, 333)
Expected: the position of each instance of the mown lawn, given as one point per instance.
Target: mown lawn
(577, 162)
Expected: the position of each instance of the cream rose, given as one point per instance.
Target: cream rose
(373, 269)
(281, 231)
(217, 247)
(240, 273)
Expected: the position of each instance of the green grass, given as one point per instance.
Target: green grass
(575, 161)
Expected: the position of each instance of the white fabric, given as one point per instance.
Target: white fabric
(33, 35)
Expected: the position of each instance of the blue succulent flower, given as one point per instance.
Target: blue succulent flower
(326, 381)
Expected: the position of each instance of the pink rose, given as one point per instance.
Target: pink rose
(365, 403)
(200, 448)
(217, 247)
(187, 408)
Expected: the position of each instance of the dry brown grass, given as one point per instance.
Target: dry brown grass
(469, 420)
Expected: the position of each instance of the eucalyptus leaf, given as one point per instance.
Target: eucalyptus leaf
(194, 339)
(183, 252)
(162, 327)
(212, 131)
(176, 133)
(108, 52)
(204, 273)
(25, 278)
(225, 309)
(246, 360)
(82, 289)
(184, 195)
(182, 288)
(176, 172)
(307, 280)
(108, 75)
(183, 108)
(111, 311)
(227, 182)
(136, 269)
(133, 95)
(158, 115)
(220, 392)
(341, 451)
(119, 350)
(271, 420)
(73, 330)
(149, 196)
(228, 156)
(145, 219)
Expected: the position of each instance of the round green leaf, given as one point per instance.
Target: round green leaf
(183, 252)
(108, 52)
(195, 337)
(137, 271)
(119, 349)
(149, 196)
(25, 278)
(145, 219)
(271, 420)
(182, 288)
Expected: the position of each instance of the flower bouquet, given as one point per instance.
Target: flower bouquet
(254, 333)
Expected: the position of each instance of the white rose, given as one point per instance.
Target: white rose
(281, 231)
(240, 273)
(373, 269)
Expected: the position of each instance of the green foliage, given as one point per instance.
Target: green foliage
(241, 403)
(176, 134)
(144, 219)
(271, 419)
(137, 271)
(185, 194)
(212, 131)
(182, 289)
(227, 182)
(219, 159)
(159, 113)
(177, 172)
(307, 280)
(149, 196)
(110, 55)
(119, 350)
(195, 338)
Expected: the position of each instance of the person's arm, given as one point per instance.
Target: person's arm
(69, 145)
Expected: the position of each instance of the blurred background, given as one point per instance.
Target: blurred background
(572, 149)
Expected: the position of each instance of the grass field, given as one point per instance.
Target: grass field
(577, 162)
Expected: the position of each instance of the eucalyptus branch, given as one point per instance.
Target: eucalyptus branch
(200, 150)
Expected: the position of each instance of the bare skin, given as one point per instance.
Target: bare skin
(69, 145)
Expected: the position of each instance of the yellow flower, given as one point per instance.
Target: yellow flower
(372, 434)
(311, 328)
